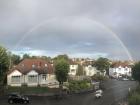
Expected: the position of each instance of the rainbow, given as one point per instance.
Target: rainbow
(105, 27)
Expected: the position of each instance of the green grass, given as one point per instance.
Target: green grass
(28, 90)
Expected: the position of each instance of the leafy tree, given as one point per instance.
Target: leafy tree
(26, 56)
(80, 70)
(61, 71)
(49, 59)
(4, 63)
(102, 64)
(136, 72)
(65, 57)
(15, 59)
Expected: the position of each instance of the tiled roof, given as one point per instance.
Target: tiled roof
(122, 64)
(39, 65)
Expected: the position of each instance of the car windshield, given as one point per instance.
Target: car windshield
(70, 52)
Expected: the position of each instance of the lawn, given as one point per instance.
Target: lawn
(29, 90)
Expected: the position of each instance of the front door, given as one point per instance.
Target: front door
(44, 78)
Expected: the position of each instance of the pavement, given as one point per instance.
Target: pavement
(114, 92)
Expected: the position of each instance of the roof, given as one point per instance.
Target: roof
(118, 64)
(71, 62)
(41, 66)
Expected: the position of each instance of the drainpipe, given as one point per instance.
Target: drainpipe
(38, 80)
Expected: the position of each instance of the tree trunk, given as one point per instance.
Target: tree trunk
(60, 88)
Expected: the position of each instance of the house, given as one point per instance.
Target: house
(73, 68)
(90, 70)
(31, 72)
(120, 69)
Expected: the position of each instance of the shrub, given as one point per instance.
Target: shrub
(78, 85)
(98, 77)
(134, 99)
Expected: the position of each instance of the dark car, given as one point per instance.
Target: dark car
(17, 98)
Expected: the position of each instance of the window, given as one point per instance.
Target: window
(44, 77)
(90, 68)
(46, 65)
(126, 69)
(72, 70)
(33, 66)
(32, 79)
(119, 69)
(15, 79)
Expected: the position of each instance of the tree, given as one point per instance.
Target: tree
(61, 72)
(65, 57)
(4, 63)
(80, 70)
(49, 59)
(26, 56)
(15, 59)
(102, 64)
(136, 72)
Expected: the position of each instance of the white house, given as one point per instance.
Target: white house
(73, 68)
(120, 70)
(90, 70)
(31, 72)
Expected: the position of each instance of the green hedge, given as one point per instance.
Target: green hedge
(27, 90)
(97, 77)
(79, 85)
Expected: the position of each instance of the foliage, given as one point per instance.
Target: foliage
(78, 85)
(64, 57)
(102, 64)
(49, 59)
(98, 77)
(136, 72)
(15, 59)
(134, 99)
(80, 71)
(61, 70)
(4, 63)
(26, 56)
(27, 90)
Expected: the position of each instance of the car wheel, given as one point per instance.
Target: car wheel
(25, 102)
(10, 101)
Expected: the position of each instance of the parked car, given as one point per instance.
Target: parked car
(17, 98)
(125, 79)
(99, 91)
(98, 94)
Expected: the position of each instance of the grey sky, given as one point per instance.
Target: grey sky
(79, 28)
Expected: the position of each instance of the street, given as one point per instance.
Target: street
(115, 90)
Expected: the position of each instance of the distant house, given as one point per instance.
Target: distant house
(31, 72)
(73, 68)
(120, 70)
(90, 70)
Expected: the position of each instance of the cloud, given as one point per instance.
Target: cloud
(75, 27)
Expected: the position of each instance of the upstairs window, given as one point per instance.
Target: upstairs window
(33, 66)
(46, 65)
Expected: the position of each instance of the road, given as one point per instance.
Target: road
(115, 90)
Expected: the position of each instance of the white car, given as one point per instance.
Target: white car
(98, 94)
(125, 79)
(99, 91)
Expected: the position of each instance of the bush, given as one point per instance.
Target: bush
(78, 85)
(134, 99)
(98, 77)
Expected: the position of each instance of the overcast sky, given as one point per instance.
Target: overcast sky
(79, 28)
